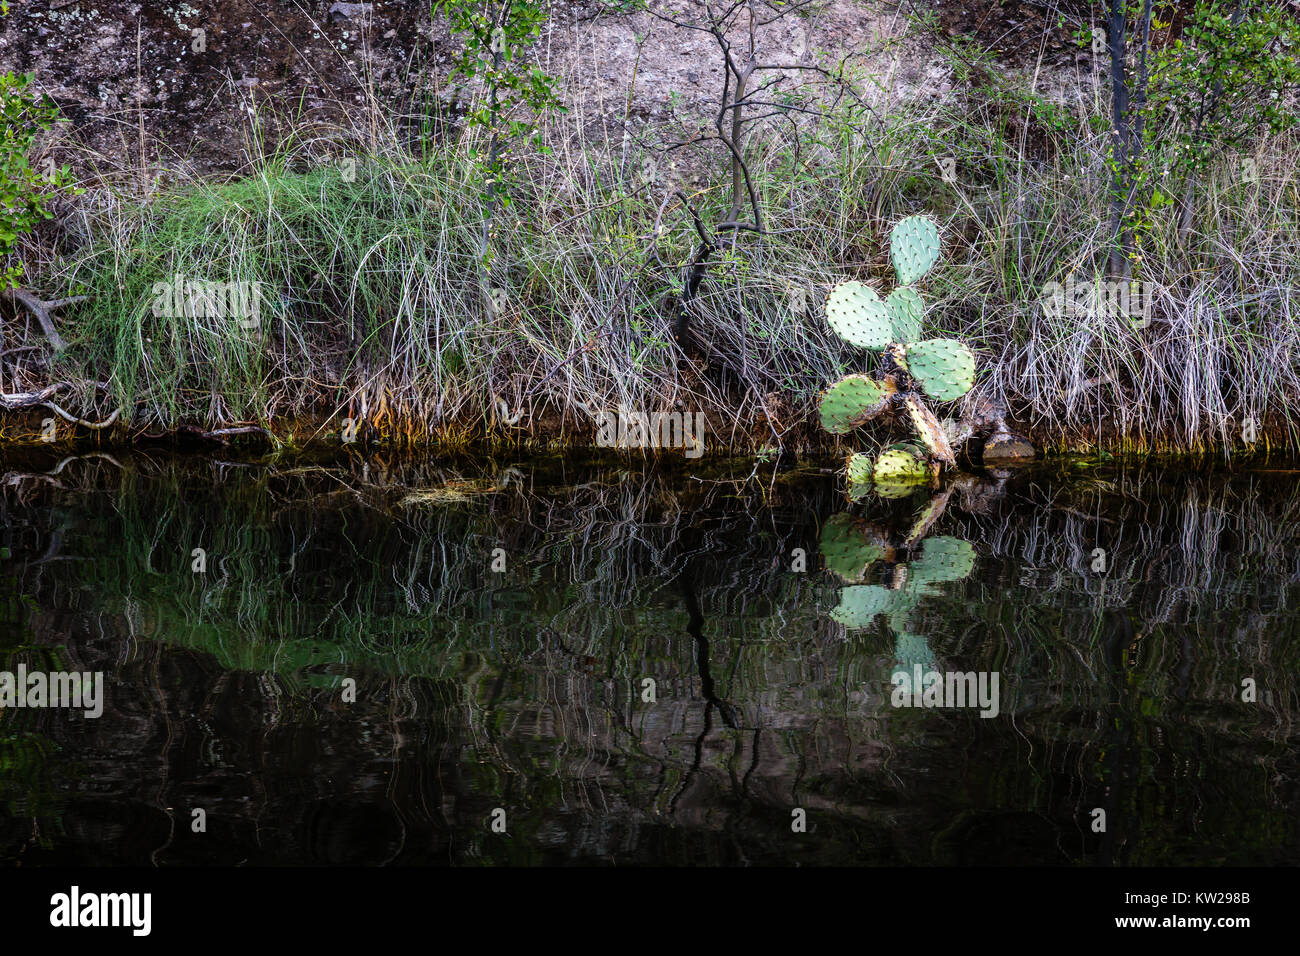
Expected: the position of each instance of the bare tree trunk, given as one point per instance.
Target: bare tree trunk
(494, 172)
(737, 143)
(44, 312)
(1121, 178)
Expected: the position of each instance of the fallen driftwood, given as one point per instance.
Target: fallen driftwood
(987, 416)
(221, 434)
(13, 401)
(43, 309)
(16, 401)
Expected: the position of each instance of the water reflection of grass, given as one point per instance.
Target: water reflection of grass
(290, 583)
(26, 788)
(287, 585)
(541, 666)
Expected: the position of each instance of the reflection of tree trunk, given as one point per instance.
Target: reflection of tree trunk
(55, 546)
(1121, 749)
(695, 628)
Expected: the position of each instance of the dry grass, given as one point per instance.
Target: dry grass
(372, 309)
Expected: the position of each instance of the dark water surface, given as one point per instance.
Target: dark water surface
(1120, 670)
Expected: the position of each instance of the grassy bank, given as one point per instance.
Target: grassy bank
(372, 307)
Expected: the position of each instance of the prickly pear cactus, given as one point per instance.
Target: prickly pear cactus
(860, 468)
(852, 401)
(914, 248)
(900, 465)
(905, 307)
(942, 559)
(945, 368)
(860, 604)
(856, 313)
(913, 649)
(940, 369)
(929, 430)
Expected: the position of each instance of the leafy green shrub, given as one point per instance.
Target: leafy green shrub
(24, 191)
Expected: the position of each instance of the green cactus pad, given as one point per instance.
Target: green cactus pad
(905, 309)
(860, 468)
(860, 604)
(893, 488)
(852, 401)
(943, 559)
(858, 491)
(910, 650)
(929, 430)
(856, 313)
(900, 466)
(914, 248)
(911, 447)
(944, 367)
(849, 547)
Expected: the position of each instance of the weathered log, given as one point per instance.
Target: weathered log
(988, 416)
(14, 401)
(221, 434)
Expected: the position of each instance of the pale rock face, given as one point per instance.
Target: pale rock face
(118, 57)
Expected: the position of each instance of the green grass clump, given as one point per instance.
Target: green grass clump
(373, 308)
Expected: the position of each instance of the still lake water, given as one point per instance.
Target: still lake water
(671, 666)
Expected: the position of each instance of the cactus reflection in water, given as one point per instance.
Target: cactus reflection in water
(910, 569)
